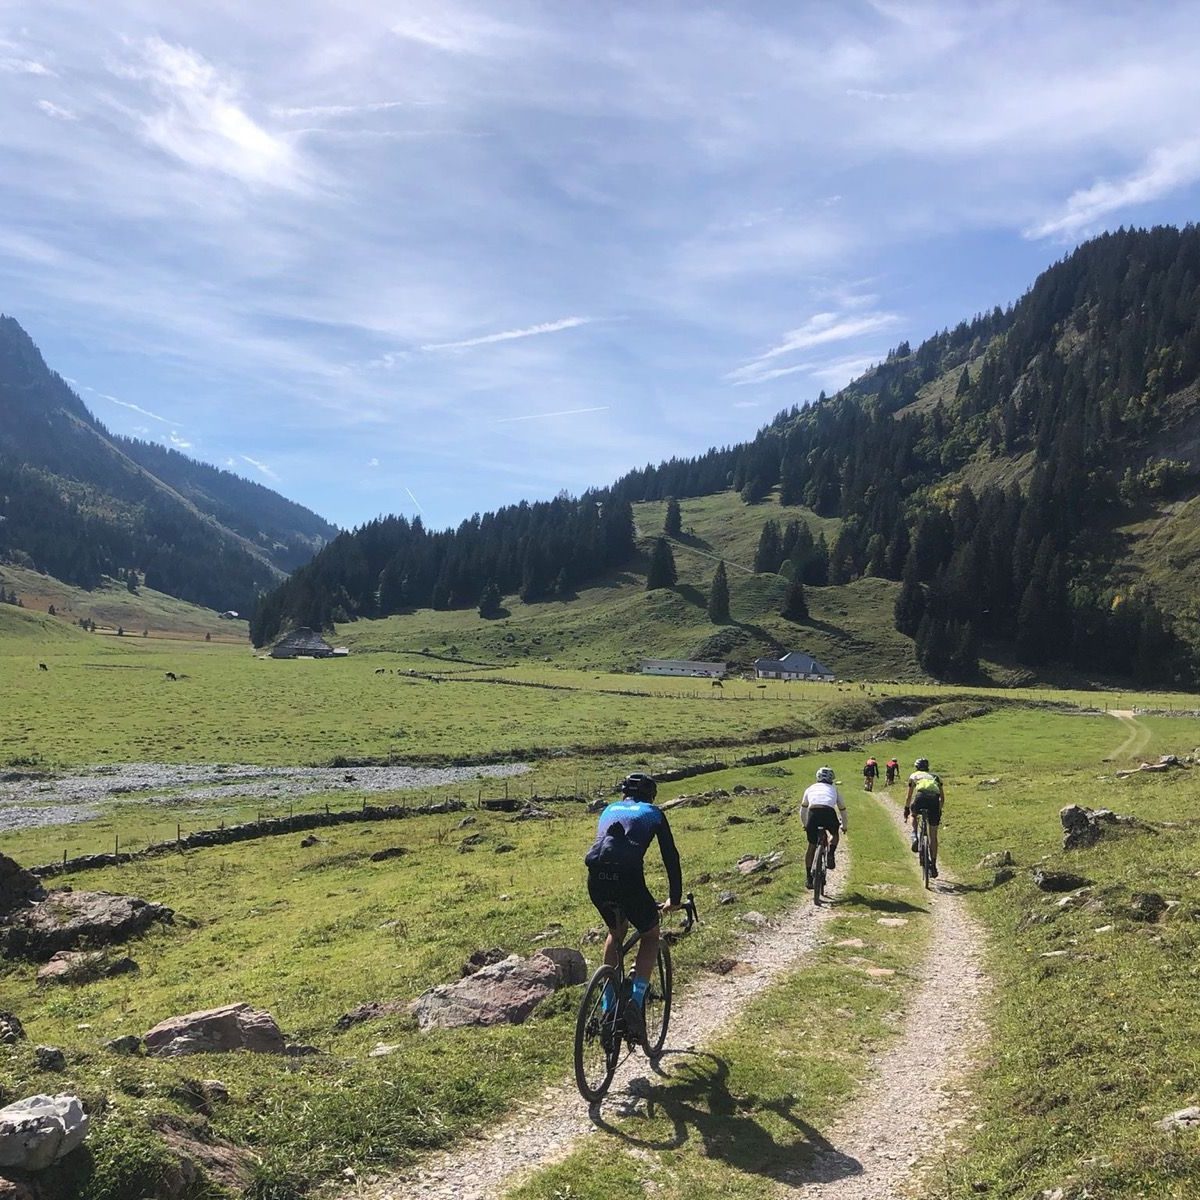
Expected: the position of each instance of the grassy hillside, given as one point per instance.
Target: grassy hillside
(112, 606)
(611, 626)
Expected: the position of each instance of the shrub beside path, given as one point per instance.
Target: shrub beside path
(897, 1131)
(544, 1132)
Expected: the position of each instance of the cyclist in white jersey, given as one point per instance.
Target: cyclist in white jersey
(822, 807)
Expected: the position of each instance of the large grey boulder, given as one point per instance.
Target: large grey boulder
(40, 1130)
(1084, 827)
(216, 1030)
(66, 920)
(1185, 1118)
(18, 887)
(502, 994)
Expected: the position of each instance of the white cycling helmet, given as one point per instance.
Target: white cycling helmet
(825, 775)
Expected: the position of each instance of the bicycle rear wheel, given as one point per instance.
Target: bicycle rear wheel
(658, 1002)
(819, 871)
(924, 852)
(597, 1041)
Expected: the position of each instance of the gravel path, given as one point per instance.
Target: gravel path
(547, 1130)
(27, 800)
(897, 1130)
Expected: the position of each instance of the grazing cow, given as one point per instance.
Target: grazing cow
(172, 676)
(380, 670)
(43, 667)
(762, 687)
(718, 683)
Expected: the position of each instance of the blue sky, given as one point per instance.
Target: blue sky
(437, 257)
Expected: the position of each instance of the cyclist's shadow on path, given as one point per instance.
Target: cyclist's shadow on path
(696, 1100)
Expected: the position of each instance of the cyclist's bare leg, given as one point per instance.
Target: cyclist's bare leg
(933, 841)
(647, 955)
(809, 855)
(613, 944)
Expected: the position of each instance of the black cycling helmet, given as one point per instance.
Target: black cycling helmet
(640, 786)
(922, 764)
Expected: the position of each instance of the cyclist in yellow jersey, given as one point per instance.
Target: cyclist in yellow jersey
(925, 795)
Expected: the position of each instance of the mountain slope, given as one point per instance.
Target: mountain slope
(1028, 479)
(81, 504)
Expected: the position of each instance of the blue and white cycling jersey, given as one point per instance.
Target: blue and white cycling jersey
(623, 835)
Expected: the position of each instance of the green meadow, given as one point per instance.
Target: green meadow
(1067, 1089)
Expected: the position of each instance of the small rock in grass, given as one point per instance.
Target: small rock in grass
(11, 1029)
(1058, 881)
(128, 1044)
(769, 810)
(878, 972)
(1103, 929)
(734, 819)
(382, 1050)
(727, 898)
(1184, 1118)
(851, 944)
(893, 922)
(1147, 906)
(1054, 954)
(505, 848)
(311, 840)
(1003, 876)
(390, 852)
(465, 822)
(998, 858)
(50, 1058)
(756, 919)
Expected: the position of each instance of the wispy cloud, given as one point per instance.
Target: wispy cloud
(24, 66)
(566, 412)
(56, 111)
(346, 110)
(374, 462)
(201, 121)
(260, 466)
(137, 408)
(510, 335)
(1166, 170)
(178, 442)
(821, 329)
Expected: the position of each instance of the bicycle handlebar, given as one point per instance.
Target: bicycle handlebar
(690, 916)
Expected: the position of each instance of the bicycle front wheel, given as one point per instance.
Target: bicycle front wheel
(658, 1002)
(597, 1042)
(819, 875)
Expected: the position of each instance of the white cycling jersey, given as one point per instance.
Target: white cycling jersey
(823, 795)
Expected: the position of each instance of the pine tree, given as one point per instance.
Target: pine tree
(910, 603)
(489, 600)
(718, 597)
(673, 523)
(964, 383)
(662, 567)
(816, 570)
(770, 549)
(795, 606)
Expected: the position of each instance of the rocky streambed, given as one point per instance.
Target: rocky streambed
(31, 799)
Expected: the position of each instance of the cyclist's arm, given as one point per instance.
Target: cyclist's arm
(670, 857)
(843, 816)
(804, 811)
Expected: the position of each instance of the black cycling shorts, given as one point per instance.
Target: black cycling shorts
(821, 816)
(621, 896)
(931, 806)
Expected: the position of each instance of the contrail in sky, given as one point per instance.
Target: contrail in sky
(567, 412)
(415, 500)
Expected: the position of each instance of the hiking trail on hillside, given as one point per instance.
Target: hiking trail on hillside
(896, 1130)
(543, 1132)
(1139, 734)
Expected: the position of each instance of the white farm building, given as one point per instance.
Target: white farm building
(793, 665)
(681, 666)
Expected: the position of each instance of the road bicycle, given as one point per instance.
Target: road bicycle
(923, 855)
(820, 866)
(602, 1031)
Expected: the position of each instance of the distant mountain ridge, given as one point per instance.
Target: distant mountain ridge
(79, 503)
(1030, 478)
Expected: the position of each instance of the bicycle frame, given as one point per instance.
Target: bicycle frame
(690, 918)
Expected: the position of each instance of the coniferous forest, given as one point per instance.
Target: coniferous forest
(1067, 388)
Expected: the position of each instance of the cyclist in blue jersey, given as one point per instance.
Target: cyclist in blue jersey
(617, 882)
